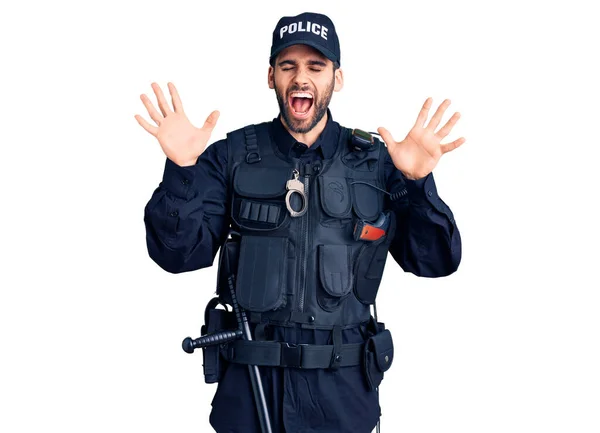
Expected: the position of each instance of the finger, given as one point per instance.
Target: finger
(177, 105)
(211, 121)
(154, 115)
(445, 130)
(451, 146)
(151, 129)
(435, 120)
(387, 137)
(162, 102)
(422, 117)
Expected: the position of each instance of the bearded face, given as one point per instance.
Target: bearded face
(303, 107)
(304, 81)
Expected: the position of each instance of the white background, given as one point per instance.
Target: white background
(91, 328)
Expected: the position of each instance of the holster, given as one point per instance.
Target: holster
(228, 265)
(215, 319)
(378, 355)
(220, 319)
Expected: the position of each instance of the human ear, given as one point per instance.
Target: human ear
(271, 77)
(339, 80)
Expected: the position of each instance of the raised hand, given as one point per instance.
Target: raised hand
(181, 141)
(418, 154)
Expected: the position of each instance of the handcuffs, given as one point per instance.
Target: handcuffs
(295, 186)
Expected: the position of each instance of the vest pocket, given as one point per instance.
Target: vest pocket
(335, 275)
(259, 197)
(335, 196)
(366, 200)
(262, 273)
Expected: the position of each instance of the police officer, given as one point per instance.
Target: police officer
(316, 207)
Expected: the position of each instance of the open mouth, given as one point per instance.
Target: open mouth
(300, 104)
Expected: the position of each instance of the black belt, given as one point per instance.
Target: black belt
(275, 354)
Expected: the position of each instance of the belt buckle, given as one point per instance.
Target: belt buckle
(291, 355)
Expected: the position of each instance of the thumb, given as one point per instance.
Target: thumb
(211, 121)
(387, 137)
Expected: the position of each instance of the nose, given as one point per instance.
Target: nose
(301, 77)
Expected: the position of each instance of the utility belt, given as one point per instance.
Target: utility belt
(375, 354)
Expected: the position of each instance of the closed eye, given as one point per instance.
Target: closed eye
(313, 65)
(312, 69)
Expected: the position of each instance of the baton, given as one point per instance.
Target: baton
(257, 387)
(221, 337)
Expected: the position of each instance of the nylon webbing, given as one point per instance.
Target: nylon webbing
(275, 354)
(252, 153)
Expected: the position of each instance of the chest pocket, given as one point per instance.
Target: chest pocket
(343, 198)
(259, 197)
(367, 200)
(336, 199)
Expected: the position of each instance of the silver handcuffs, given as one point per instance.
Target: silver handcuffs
(295, 186)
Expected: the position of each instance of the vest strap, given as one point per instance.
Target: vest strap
(252, 152)
(275, 354)
(282, 316)
(337, 356)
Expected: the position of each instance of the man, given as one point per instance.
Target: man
(315, 208)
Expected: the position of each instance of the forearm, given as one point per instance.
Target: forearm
(427, 241)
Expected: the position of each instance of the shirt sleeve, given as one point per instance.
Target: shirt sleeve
(427, 241)
(186, 218)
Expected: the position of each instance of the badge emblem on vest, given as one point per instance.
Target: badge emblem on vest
(337, 188)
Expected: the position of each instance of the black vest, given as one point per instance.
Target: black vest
(307, 269)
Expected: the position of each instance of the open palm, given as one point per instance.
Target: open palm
(181, 141)
(418, 154)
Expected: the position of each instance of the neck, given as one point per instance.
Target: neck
(309, 137)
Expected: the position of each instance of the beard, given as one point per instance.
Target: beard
(320, 105)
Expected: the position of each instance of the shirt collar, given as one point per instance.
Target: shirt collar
(326, 144)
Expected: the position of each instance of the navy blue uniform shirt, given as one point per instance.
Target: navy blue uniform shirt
(187, 220)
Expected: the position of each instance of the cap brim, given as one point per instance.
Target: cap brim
(327, 53)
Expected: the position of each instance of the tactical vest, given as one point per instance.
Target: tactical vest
(307, 269)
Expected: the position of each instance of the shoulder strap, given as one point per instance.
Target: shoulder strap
(250, 143)
(252, 149)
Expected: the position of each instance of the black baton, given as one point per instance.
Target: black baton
(257, 387)
(243, 331)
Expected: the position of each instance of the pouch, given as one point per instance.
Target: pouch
(258, 202)
(378, 357)
(262, 273)
(335, 275)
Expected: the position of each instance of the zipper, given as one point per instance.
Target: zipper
(305, 223)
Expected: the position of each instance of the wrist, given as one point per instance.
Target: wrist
(412, 176)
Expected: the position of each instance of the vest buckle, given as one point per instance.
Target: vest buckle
(252, 157)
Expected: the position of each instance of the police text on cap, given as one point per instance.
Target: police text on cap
(315, 28)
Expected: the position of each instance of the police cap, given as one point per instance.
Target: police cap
(308, 28)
